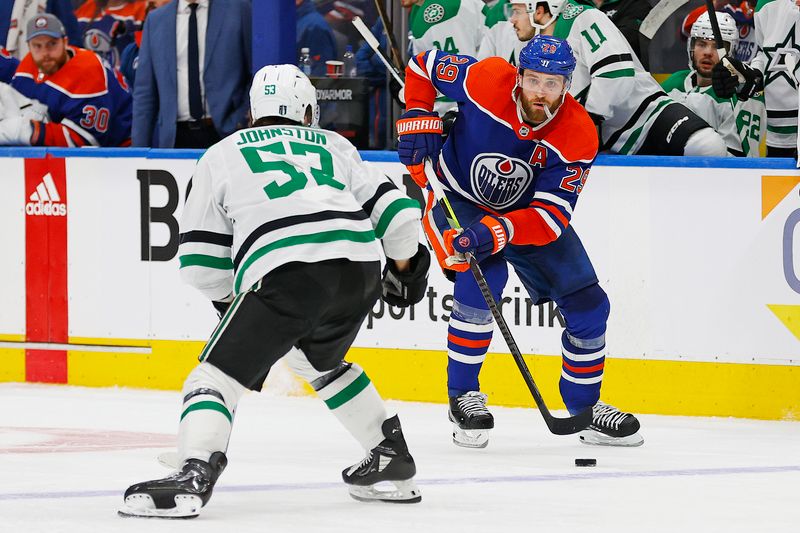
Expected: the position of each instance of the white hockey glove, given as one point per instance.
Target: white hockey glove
(16, 131)
(15, 104)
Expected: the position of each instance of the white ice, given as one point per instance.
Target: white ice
(68, 453)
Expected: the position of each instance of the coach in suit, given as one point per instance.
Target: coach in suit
(194, 73)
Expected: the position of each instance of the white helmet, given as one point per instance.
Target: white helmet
(701, 29)
(554, 6)
(283, 91)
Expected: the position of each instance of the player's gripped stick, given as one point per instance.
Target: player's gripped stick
(557, 426)
(721, 52)
(376, 47)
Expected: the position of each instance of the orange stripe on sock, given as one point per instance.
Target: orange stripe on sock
(583, 369)
(469, 343)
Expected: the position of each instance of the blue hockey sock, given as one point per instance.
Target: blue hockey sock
(582, 365)
(468, 338)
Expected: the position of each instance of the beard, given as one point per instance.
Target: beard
(536, 113)
(51, 66)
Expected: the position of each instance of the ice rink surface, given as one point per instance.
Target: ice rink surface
(68, 453)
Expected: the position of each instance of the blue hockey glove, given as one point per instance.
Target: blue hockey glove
(419, 135)
(482, 239)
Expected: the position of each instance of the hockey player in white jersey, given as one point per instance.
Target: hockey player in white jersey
(453, 26)
(634, 114)
(282, 230)
(501, 41)
(774, 71)
(739, 123)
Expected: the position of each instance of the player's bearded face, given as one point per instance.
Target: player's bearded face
(705, 56)
(48, 53)
(538, 91)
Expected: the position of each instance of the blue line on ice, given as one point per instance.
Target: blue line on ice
(441, 481)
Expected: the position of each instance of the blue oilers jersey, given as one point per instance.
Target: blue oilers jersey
(108, 31)
(531, 175)
(88, 103)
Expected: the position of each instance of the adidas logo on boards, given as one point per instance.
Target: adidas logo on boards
(45, 200)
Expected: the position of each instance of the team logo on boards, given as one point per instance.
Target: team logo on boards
(45, 200)
(433, 13)
(499, 181)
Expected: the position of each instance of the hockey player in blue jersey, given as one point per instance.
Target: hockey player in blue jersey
(513, 165)
(88, 103)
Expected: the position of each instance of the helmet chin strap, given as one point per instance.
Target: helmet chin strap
(540, 27)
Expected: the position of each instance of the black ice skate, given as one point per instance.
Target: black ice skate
(471, 420)
(180, 495)
(611, 427)
(389, 462)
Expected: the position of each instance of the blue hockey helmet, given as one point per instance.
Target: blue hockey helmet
(548, 54)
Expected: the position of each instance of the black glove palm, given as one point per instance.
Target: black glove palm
(402, 289)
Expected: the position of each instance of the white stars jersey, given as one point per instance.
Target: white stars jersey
(267, 196)
(778, 57)
(501, 40)
(453, 26)
(740, 124)
(609, 80)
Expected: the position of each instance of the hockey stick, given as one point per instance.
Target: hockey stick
(376, 47)
(658, 15)
(721, 52)
(557, 426)
(388, 29)
(652, 23)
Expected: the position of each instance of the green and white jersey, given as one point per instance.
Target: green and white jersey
(609, 80)
(453, 26)
(267, 196)
(778, 57)
(501, 40)
(737, 125)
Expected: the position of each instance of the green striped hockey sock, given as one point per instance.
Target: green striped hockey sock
(349, 394)
(209, 402)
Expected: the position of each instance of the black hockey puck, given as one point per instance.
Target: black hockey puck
(585, 462)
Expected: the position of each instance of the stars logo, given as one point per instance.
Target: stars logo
(776, 59)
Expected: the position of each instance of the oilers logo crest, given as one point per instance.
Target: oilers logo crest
(499, 180)
(99, 42)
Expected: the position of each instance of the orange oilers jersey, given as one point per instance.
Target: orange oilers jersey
(531, 175)
(88, 104)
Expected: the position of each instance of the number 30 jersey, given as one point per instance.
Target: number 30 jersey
(88, 104)
(267, 196)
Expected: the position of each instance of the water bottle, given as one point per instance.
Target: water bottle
(349, 59)
(305, 61)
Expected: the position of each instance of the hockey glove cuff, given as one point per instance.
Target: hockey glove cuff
(402, 289)
(419, 135)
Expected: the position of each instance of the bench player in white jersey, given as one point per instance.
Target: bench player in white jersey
(741, 124)
(453, 26)
(282, 230)
(634, 114)
(774, 71)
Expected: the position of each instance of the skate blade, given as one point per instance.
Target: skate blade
(405, 491)
(470, 438)
(142, 506)
(590, 436)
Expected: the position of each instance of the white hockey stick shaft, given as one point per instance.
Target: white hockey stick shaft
(658, 15)
(376, 47)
